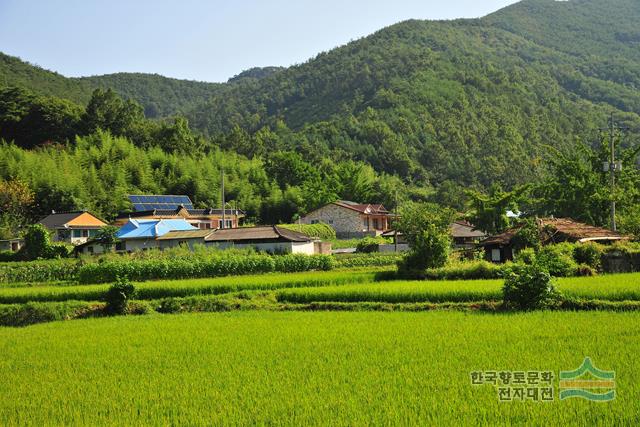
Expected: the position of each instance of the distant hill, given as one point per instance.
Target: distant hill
(160, 96)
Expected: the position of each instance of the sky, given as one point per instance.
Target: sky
(200, 40)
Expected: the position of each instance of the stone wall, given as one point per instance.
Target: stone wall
(344, 221)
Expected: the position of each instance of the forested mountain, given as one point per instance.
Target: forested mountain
(470, 101)
(159, 96)
(429, 108)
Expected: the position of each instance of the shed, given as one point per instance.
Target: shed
(499, 248)
(272, 239)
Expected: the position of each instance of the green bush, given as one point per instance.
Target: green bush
(38, 312)
(588, 253)
(557, 260)
(526, 256)
(8, 256)
(39, 271)
(528, 288)
(321, 231)
(118, 296)
(367, 260)
(367, 245)
(470, 270)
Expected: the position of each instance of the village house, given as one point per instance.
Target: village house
(272, 239)
(463, 234)
(352, 220)
(186, 238)
(12, 245)
(73, 227)
(143, 234)
(499, 248)
(180, 207)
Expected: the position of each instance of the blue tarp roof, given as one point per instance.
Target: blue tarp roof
(152, 228)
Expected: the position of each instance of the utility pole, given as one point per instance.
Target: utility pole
(395, 226)
(613, 165)
(223, 202)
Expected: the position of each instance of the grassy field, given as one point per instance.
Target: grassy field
(612, 288)
(309, 368)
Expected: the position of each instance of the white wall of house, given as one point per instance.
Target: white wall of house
(277, 247)
(75, 236)
(93, 249)
(132, 245)
(307, 248)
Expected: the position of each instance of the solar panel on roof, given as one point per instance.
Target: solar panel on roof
(168, 202)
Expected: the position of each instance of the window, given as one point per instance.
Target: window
(85, 233)
(495, 255)
(366, 223)
(90, 249)
(77, 234)
(315, 221)
(376, 224)
(227, 223)
(92, 233)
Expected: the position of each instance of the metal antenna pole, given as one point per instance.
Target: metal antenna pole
(612, 172)
(223, 202)
(395, 226)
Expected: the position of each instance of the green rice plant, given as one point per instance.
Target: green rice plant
(398, 292)
(301, 368)
(621, 287)
(183, 288)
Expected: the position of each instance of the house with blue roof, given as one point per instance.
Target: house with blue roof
(141, 234)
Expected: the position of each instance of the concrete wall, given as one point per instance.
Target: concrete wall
(402, 247)
(191, 243)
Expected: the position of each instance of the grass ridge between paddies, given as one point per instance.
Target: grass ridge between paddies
(188, 287)
(622, 287)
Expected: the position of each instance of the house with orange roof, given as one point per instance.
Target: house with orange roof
(352, 220)
(72, 227)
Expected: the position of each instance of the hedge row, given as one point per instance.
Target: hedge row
(321, 230)
(190, 269)
(39, 271)
(367, 260)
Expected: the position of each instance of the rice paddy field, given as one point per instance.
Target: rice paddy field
(301, 368)
(275, 361)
